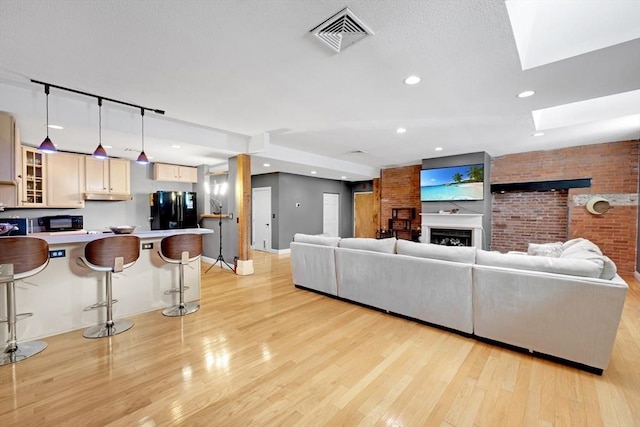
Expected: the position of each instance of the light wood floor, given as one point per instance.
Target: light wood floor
(261, 352)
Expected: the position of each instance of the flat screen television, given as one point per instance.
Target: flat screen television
(454, 183)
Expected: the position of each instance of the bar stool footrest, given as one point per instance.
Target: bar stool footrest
(18, 317)
(104, 330)
(174, 290)
(183, 310)
(99, 305)
(23, 351)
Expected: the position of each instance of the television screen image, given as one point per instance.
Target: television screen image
(452, 183)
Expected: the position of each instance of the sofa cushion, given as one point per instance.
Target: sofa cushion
(545, 249)
(580, 244)
(446, 253)
(316, 239)
(591, 253)
(387, 246)
(573, 267)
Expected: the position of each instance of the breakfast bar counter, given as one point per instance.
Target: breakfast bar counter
(59, 295)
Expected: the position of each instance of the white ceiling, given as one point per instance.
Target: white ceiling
(225, 71)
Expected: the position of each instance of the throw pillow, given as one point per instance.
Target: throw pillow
(545, 249)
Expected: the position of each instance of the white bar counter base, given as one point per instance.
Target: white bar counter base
(59, 294)
(456, 221)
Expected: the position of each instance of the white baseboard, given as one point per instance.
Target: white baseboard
(636, 275)
(281, 251)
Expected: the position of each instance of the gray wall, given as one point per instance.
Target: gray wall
(287, 190)
(468, 207)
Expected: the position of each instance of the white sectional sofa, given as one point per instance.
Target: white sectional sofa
(567, 306)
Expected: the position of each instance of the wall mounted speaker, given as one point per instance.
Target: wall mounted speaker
(598, 205)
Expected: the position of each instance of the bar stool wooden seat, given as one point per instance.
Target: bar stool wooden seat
(110, 255)
(181, 249)
(20, 257)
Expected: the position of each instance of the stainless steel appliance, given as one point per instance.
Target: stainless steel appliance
(61, 222)
(173, 209)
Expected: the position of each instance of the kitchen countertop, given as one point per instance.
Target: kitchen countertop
(63, 238)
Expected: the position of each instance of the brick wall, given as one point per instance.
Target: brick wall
(400, 188)
(519, 218)
(613, 169)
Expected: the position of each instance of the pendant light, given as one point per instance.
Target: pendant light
(100, 152)
(46, 145)
(142, 158)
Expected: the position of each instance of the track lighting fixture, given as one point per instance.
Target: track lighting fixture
(46, 145)
(100, 152)
(142, 158)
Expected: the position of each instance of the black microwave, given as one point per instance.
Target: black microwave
(61, 222)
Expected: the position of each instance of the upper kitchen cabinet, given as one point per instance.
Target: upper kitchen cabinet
(107, 179)
(10, 161)
(166, 172)
(65, 180)
(34, 168)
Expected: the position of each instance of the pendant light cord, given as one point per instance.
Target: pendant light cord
(142, 114)
(46, 91)
(99, 121)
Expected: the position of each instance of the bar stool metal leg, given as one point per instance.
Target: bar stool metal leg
(182, 308)
(15, 352)
(110, 327)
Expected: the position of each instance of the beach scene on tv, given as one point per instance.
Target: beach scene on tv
(452, 183)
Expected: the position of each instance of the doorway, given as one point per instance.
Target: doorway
(363, 225)
(261, 224)
(331, 214)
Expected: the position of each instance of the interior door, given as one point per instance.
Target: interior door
(331, 214)
(363, 215)
(261, 224)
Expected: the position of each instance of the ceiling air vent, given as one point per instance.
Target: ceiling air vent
(341, 30)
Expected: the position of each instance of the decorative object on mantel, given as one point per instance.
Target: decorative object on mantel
(452, 211)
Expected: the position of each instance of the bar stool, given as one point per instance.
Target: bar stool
(111, 255)
(20, 257)
(181, 249)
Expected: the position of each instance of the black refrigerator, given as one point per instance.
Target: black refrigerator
(173, 209)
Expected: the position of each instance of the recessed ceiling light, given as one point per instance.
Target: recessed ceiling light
(107, 146)
(538, 134)
(412, 80)
(526, 93)
(313, 172)
(438, 148)
(401, 130)
(343, 177)
(55, 127)
(176, 146)
(266, 165)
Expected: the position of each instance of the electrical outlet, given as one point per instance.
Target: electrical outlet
(147, 246)
(60, 253)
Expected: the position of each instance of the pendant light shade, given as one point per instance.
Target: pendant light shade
(46, 145)
(100, 152)
(142, 158)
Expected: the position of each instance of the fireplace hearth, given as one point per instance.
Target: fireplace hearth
(451, 237)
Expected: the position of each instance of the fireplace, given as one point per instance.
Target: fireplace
(459, 229)
(451, 237)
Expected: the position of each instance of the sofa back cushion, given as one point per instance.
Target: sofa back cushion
(445, 253)
(584, 250)
(316, 239)
(573, 267)
(386, 246)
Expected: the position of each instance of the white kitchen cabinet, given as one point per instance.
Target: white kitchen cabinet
(34, 177)
(10, 161)
(167, 172)
(65, 180)
(107, 176)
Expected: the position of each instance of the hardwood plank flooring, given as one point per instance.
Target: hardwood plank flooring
(261, 352)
